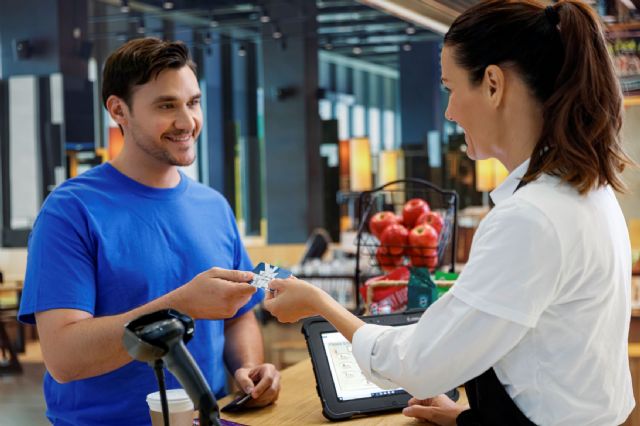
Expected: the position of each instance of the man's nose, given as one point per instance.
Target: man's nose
(185, 119)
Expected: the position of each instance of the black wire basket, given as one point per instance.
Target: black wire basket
(375, 258)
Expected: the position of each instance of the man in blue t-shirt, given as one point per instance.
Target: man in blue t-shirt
(134, 236)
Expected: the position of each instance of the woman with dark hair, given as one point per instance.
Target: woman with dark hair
(536, 325)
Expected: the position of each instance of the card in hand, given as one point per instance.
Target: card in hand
(265, 272)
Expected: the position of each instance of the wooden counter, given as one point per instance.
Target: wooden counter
(299, 404)
(9, 302)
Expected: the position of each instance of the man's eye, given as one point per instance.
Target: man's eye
(166, 106)
(195, 102)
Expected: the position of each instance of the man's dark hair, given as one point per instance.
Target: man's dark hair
(137, 61)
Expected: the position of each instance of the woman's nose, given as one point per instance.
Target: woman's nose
(447, 115)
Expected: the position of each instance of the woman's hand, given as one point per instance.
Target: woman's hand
(440, 410)
(293, 299)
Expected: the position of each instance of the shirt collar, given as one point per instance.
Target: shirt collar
(507, 188)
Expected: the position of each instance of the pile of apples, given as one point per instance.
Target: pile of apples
(414, 234)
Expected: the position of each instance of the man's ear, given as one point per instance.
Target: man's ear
(118, 110)
(494, 81)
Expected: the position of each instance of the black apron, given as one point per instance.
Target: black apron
(490, 403)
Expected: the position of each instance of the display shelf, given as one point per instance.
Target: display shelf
(632, 101)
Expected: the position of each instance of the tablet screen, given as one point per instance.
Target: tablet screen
(348, 379)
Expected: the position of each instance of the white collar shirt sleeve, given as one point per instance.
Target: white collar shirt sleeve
(451, 344)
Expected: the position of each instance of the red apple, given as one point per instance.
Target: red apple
(412, 211)
(431, 218)
(394, 239)
(379, 222)
(386, 261)
(429, 259)
(423, 239)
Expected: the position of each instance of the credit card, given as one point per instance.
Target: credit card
(237, 404)
(264, 273)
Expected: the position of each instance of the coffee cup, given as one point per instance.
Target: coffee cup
(180, 408)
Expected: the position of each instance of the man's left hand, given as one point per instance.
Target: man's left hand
(261, 381)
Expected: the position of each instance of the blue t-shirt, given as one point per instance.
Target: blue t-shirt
(105, 244)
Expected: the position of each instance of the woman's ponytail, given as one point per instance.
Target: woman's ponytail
(582, 117)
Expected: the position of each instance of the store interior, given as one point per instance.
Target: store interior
(318, 114)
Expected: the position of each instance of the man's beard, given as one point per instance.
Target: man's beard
(160, 153)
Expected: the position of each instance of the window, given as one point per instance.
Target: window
(374, 129)
(389, 129)
(359, 121)
(342, 112)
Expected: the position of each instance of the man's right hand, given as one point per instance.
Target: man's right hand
(214, 294)
(75, 345)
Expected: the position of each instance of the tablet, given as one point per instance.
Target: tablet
(343, 389)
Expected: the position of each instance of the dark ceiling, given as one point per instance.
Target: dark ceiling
(352, 28)
(346, 27)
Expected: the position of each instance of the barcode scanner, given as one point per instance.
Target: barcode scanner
(160, 337)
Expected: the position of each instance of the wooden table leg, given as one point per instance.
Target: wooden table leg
(13, 364)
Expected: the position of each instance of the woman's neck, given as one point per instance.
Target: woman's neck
(522, 126)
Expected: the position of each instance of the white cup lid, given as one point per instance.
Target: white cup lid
(177, 400)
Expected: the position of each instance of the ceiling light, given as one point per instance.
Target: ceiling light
(406, 47)
(77, 33)
(629, 4)
(404, 12)
(357, 50)
(242, 51)
(328, 46)
(213, 23)
(410, 30)
(141, 29)
(124, 6)
(277, 34)
(264, 16)
(167, 5)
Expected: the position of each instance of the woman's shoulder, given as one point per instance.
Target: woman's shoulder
(553, 194)
(549, 192)
(568, 211)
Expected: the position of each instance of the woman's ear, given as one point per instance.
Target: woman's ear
(118, 109)
(494, 81)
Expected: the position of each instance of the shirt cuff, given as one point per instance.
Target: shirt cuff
(363, 342)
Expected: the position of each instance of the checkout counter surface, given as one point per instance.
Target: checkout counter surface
(299, 404)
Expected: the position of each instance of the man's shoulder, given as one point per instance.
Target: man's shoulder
(80, 192)
(88, 179)
(202, 191)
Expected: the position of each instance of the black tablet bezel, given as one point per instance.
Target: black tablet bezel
(332, 407)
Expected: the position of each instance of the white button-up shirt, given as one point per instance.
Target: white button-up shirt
(544, 300)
